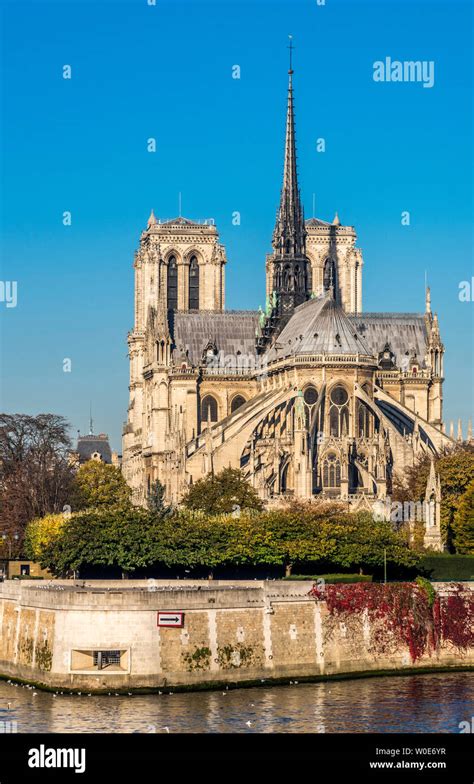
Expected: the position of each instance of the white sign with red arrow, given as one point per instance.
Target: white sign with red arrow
(171, 618)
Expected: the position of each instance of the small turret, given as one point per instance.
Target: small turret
(151, 220)
(432, 537)
(428, 301)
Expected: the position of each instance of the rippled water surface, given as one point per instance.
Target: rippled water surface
(416, 703)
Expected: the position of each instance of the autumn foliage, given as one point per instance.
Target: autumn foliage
(405, 613)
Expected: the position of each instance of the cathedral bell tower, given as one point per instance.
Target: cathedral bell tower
(291, 286)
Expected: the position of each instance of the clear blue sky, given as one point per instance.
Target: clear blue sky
(166, 72)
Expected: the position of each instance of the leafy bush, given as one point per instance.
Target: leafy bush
(27, 577)
(131, 538)
(333, 578)
(430, 591)
(443, 566)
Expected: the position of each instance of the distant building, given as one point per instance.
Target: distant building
(22, 568)
(94, 447)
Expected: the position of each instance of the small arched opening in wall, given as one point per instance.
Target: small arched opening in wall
(193, 283)
(236, 403)
(364, 420)
(172, 283)
(329, 274)
(209, 410)
(286, 478)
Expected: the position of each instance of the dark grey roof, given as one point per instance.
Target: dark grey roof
(404, 332)
(87, 445)
(317, 222)
(231, 331)
(180, 222)
(318, 326)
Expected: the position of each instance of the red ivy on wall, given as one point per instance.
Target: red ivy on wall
(454, 616)
(406, 613)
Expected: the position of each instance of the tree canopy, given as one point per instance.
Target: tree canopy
(227, 491)
(98, 485)
(122, 537)
(456, 470)
(41, 534)
(35, 471)
(132, 538)
(463, 524)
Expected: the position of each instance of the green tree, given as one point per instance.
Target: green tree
(42, 533)
(463, 525)
(121, 537)
(362, 542)
(131, 538)
(156, 500)
(456, 470)
(227, 491)
(99, 484)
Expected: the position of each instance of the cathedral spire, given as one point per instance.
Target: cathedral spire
(289, 236)
(290, 265)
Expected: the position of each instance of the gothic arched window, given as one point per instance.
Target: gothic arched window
(193, 284)
(331, 471)
(338, 412)
(237, 401)
(363, 420)
(208, 409)
(172, 283)
(329, 279)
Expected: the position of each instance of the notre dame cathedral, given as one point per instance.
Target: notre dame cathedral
(311, 396)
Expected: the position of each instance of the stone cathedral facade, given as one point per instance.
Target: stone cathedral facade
(310, 396)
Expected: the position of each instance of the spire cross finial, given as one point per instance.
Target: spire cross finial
(291, 47)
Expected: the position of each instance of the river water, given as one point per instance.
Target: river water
(410, 703)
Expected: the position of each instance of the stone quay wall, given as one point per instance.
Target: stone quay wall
(104, 635)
